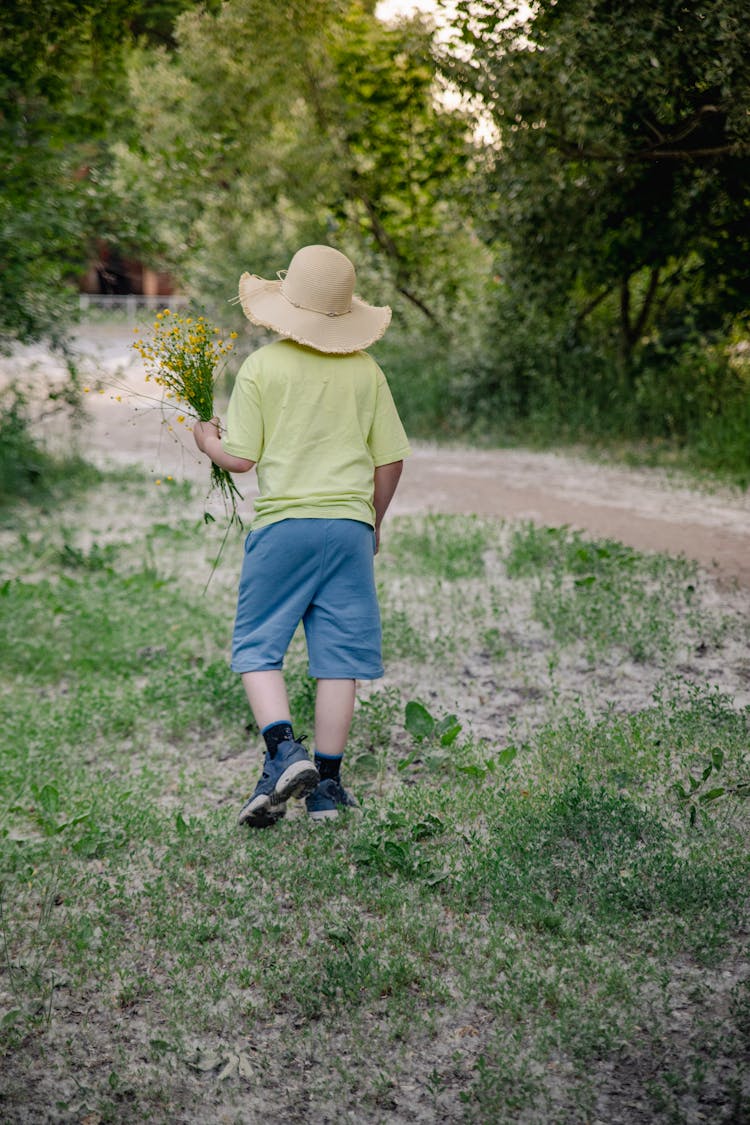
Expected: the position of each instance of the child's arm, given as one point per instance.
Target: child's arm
(386, 483)
(208, 439)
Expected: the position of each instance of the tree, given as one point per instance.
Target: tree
(278, 122)
(62, 94)
(622, 169)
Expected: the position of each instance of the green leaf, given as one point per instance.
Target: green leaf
(450, 735)
(507, 756)
(418, 720)
(435, 880)
(446, 723)
(404, 763)
(430, 825)
(49, 798)
(712, 794)
(717, 758)
(473, 771)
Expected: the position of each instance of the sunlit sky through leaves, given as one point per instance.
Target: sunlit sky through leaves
(449, 95)
(391, 9)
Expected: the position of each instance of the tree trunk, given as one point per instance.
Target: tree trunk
(632, 326)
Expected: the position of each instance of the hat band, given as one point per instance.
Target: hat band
(307, 308)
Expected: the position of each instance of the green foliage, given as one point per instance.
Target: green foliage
(696, 794)
(445, 546)
(279, 124)
(625, 143)
(602, 593)
(62, 98)
(616, 200)
(21, 459)
(27, 470)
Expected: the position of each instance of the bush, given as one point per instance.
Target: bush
(530, 374)
(27, 470)
(21, 460)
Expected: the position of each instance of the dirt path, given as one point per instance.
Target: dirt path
(643, 508)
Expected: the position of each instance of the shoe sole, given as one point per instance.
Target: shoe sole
(297, 780)
(262, 812)
(324, 814)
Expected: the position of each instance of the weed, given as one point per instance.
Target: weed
(27, 469)
(603, 594)
(448, 547)
(696, 795)
(371, 737)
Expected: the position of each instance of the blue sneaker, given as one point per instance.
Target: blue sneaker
(327, 798)
(290, 773)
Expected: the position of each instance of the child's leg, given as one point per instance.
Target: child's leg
(266, 694)
(334, 708)
(287, 770)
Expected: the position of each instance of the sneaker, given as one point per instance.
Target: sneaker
(327, 798)
(289, 774)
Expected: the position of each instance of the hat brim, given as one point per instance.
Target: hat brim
(264, 304)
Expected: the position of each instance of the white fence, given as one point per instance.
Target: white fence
(128, 303)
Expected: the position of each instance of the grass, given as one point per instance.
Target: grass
(526, 923)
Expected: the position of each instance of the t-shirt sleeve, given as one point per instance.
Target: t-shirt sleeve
(387, 438)
(243, 436)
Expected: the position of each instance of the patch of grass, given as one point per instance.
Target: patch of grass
(447, 547)
(601, 592)
(504, 925)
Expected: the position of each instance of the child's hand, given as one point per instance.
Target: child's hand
(208, 439)
(205, 433)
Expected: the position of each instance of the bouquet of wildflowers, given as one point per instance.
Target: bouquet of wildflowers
(183, 355)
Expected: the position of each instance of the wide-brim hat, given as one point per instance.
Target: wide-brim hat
(313, 303)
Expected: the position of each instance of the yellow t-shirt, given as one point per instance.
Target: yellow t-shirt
(317, 426)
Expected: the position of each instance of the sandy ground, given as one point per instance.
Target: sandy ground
(646, 509)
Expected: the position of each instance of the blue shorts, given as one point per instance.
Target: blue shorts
(319, 572)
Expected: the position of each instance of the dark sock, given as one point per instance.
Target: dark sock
(327, 766)
(275, 733)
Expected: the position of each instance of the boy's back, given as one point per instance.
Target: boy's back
(316, 425)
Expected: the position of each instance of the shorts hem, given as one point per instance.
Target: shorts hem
(346, 674)
(264, 667)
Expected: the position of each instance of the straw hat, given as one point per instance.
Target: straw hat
(313, 303)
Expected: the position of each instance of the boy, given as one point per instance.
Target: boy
(314, 413)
